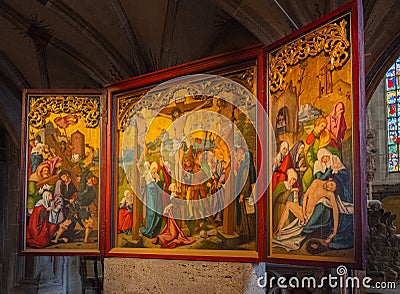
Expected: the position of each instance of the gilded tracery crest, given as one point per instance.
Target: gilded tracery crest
(245, 77)
(159, 99)
(331, 39)
(125, 106)
(41, 107)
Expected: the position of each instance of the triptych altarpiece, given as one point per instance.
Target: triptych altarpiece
(252, 155)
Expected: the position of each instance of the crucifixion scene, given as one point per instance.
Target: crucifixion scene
(186, 177)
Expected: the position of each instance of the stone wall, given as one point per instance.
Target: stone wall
(131, 275)
(9, 202)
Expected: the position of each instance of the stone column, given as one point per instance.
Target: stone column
(58, 268)
(9, 205)
(28, 272)
(47, 278)
(371, 151)
(71, 277)
(377, 122)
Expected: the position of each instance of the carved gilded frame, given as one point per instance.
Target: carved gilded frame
(316, 107)
(62, 156)
(242, 67)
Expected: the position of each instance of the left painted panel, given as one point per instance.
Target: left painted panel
(61, 173)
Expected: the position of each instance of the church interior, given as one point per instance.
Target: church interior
(59, 44)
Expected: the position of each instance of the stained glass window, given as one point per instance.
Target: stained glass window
(393, 115)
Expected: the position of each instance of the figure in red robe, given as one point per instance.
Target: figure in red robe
(337, 123)
(125, 218)
(172, 235)
(39, 230)
(295, 160)
(279, 170)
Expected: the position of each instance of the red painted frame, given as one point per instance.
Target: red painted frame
(359, 128)
(23, 183)
(207, 65)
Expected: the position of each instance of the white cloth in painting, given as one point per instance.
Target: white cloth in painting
(291, 238)
(281, 155)
(321, 166)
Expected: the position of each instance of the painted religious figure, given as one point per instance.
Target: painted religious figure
(62, 172)
(190, 166)
(311, 194)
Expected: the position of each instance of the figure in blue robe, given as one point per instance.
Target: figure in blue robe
(153, 205)
(322, 218)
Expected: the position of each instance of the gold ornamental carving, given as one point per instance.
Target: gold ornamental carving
(331, 39)
(245, 76)
(41, 107)
(125, 107)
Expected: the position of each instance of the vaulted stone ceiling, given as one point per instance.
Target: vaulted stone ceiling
(87, 44)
